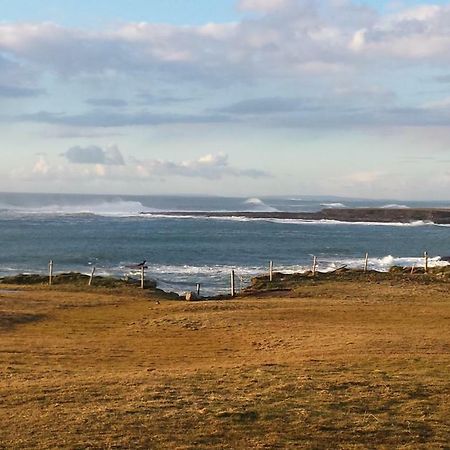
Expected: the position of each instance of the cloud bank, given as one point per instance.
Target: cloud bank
(333, 71)
(332, 48)
(93, 162)
(209, 166)
(291, 37)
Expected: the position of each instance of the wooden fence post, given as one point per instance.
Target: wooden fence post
(50, 272)
(198, 289)
(314, 266)
(425, 255)
(142, 277)
(92, 276)
(270, 271)
(232, 283)
(366, 262)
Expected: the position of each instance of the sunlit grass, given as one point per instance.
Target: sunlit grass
(346, 364)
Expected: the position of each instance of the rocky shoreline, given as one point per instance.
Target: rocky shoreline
(383, 215)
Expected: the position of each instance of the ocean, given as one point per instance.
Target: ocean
(78, 232)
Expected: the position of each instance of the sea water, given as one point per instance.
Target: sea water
(78, 232)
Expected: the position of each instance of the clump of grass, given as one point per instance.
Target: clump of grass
(292, 282)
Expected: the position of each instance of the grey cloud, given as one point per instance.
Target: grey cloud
(17, 78)
(62, 132)
(420, 34)
(302, 32)
(341, 107)
(150, 99)
(320, 42)
(107, 120)
(268, 105)
(295, 38)
(344, 98)
(19, 91)
(209, 166)
(370, 117)
(108, 102)
(267, 112)
(263, 6)
(94, 155)
(443, 79)
(343, 118)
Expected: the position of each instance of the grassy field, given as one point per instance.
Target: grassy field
(328, 365)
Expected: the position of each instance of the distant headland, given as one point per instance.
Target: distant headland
(383, 215)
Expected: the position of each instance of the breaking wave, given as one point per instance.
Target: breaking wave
(258, 205)
(381, 264)
(333, 205)
(214, 279)
(231, 217)
(394, 206)
(120, 208)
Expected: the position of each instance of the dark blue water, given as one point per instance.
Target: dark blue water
(78, 232)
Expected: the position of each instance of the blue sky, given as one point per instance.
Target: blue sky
(180, 12)
(245, 97)
(85, 13)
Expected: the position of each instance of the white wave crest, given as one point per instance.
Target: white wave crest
(214, 279)
(119, 208)
(164, 215)
(258, 205)
(381, 264)
(333, 205)
(394, 206)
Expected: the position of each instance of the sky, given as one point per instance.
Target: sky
(226, 97)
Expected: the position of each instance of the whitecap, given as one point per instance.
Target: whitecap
(380, 264)
(333, 205)
(258, 205)
(119, 208)
(395, 206)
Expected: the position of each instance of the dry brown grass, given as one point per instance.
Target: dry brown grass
(339, 365)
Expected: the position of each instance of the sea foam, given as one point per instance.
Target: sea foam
(333, 205)
(120, 208)
(394, 206)
(257, 204)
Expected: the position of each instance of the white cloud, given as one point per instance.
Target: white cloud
(305, 35)
(87, 167)
(416, 34)
(358, 40)
(263, 6)
(100, 170)
(418, 13)
(334, 49)
(210, 166)
(364, 177)
(41, 166)
(292, 37)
